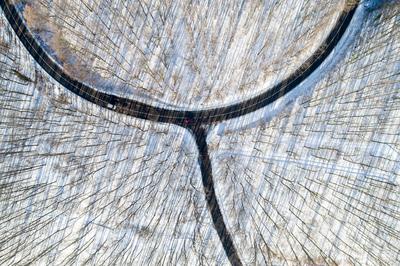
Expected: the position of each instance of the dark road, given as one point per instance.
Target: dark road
(195, 121)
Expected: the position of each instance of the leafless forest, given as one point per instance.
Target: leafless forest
(315, 184)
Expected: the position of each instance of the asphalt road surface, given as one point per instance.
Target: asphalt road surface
(195, 121)
(178, 117)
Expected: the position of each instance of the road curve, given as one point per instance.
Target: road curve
(179, 117)
(194, 121)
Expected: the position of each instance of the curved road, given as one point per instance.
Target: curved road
(195, 121)
(178, 117)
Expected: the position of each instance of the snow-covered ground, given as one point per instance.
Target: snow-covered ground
(321, 179)
(317, 183)
(184, 54)
(79, 184)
